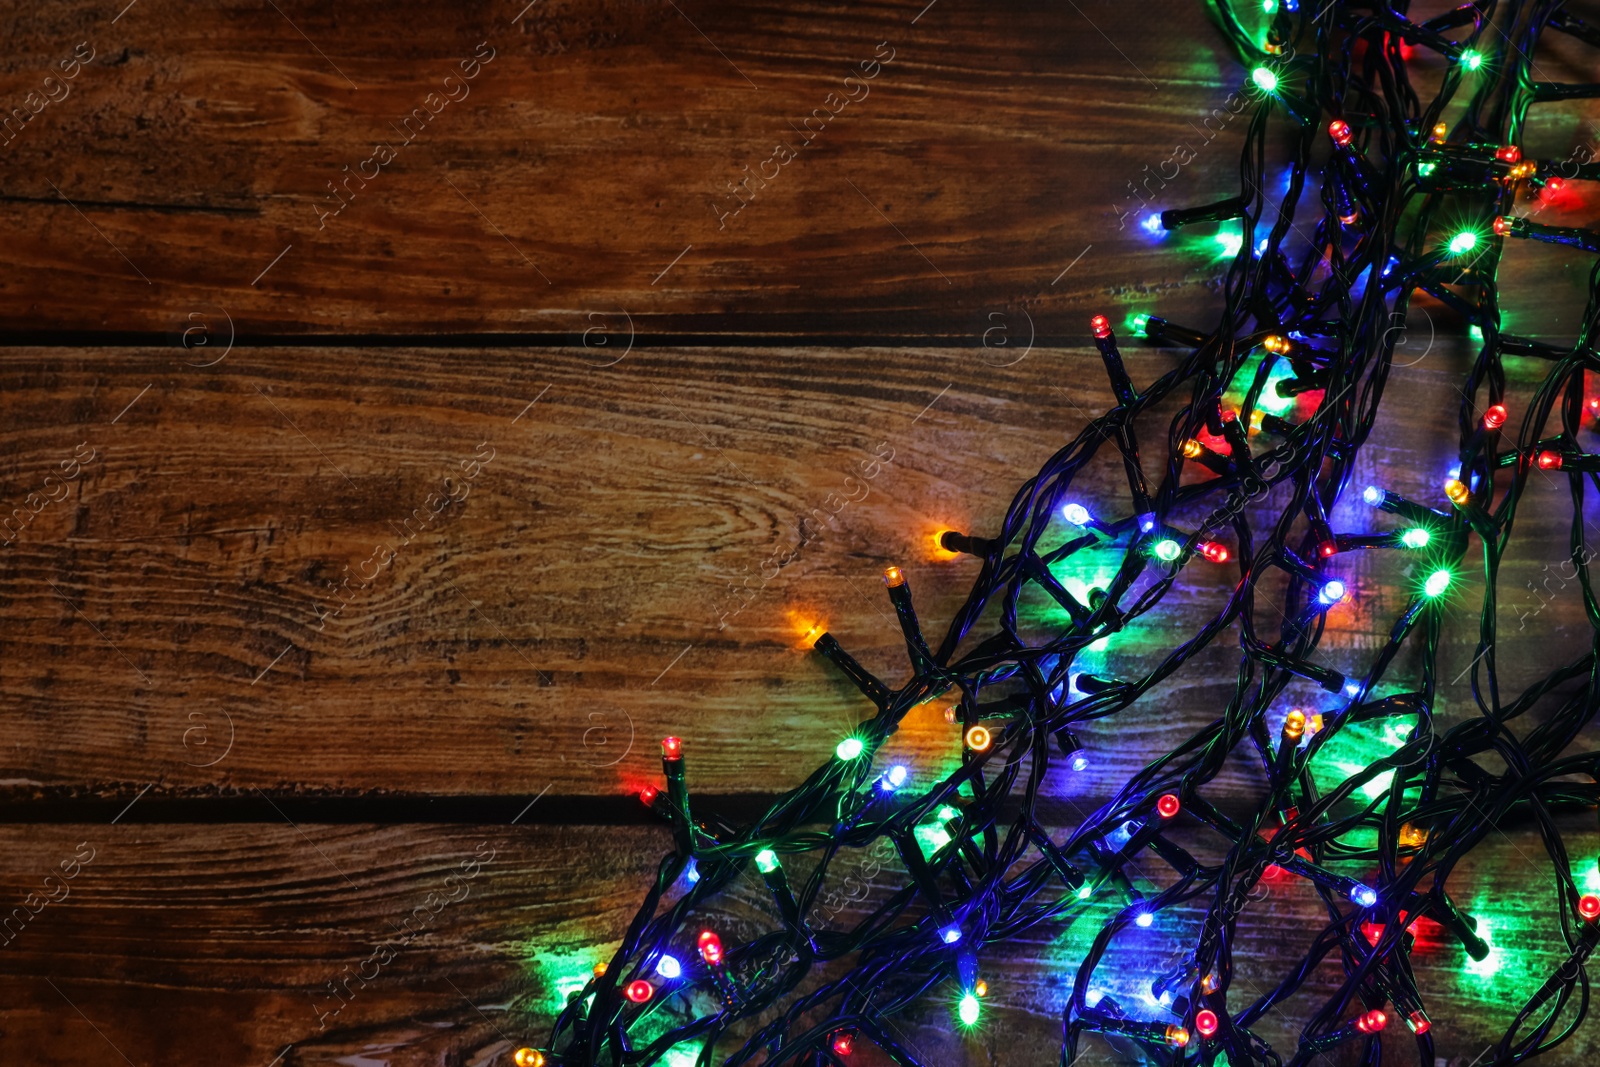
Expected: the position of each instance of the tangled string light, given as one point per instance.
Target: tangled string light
(1274, 404)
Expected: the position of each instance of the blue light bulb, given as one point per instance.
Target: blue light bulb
(951, 934)
(1332, 592)
(1372, 495)
(1363, 895)
(1077, 514)
(668, 967)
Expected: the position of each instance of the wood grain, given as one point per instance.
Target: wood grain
(595, 148)
(997, 165)
(218, 944)
(616, 571)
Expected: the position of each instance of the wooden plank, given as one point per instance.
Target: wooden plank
(612, 575)
(589, 167)
(996, 166)
(217, 944)
(555, 186)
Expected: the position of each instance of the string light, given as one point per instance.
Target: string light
(1282, 396)
(1436, 583)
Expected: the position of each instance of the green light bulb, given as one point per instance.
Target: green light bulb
(1265, 80)
(1230, 242)
(767, 860)
(1085, 891)
(1472, 59)
(946, 813)
(1416, 537)
(969, 1010)
(1167, 549)
(1139, 323)
(1437, 583)
(849, 748)
(1463, 242)
(1269, 6)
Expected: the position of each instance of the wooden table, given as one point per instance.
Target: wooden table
(411, 499)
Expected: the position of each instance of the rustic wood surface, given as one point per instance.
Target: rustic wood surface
(218, 944)
(586, 169)
(273, 770)
(611, 575)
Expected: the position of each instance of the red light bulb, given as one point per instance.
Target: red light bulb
(1501, 225)
(1214, 552)
(1508, 154)
(1494, 417)
(647, 795)
(1339, 130)
(1328, 548)
(639, 991)
(1168, 805)
(1549, 461)
(1372, 1022)
(843, 1042)
(710, 947)
(671, 748)
(1419, 1022)
(1205, 1022)
(1101, 326)
(1589, 907)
